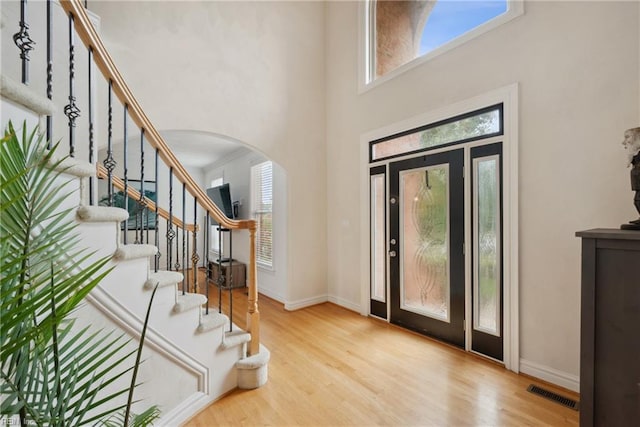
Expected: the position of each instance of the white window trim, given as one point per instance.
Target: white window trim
(366, 80)
(508, 96)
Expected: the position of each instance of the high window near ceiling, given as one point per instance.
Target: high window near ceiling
(402, 31)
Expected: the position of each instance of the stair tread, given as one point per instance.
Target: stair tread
(212, 321)
(134, 251)
(101, 214)
(163, 278)
(72, 166)
(235, 338)
(188, 301)
(25, 96)
(256, 360)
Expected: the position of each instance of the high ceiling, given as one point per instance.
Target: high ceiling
(199, 149)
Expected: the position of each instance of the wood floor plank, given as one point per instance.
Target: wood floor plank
(332, 367)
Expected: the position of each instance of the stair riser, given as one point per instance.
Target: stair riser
(124, 283)
(249, 379)
(181, 330)
(17, 114)
(100, 237)
(225, 363)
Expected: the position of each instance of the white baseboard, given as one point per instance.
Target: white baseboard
(297, 305)
(273, 295)
(185, 410)
(349, 305)
(551, 375)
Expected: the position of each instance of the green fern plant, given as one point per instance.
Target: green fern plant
(52, 372)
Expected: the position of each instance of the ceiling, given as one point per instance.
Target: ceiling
(199, 149)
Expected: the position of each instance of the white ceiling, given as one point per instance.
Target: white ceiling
(199, 149)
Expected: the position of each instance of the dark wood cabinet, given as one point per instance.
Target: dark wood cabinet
(236, 272)
(610, 328)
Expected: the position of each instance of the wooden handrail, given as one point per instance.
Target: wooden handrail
(151, 205)
(87, 33)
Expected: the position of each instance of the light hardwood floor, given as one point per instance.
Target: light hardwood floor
(332, 367)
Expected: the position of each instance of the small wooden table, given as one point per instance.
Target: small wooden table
(235, 273)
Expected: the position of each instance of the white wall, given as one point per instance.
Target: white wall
(236, 170)
(577, 64)
(253, 71)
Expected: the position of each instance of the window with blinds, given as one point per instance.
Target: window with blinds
(262, 208)
(214, 237)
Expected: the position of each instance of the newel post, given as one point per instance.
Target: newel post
(253, 315)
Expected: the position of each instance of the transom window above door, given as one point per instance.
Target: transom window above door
(400, 32)
(478, 124)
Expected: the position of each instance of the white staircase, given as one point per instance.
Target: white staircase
(191, 359)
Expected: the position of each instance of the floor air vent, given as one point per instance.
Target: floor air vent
(564, 401)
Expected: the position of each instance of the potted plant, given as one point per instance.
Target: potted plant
(52, 373)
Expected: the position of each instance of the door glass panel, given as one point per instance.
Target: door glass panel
(486, 254)
(378, 238)
(424, 227)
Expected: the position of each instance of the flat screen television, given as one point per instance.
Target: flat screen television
(221, 196)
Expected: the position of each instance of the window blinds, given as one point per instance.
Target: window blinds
(262, 207)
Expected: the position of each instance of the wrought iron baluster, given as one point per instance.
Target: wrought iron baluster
(206, 256)
(144, 221)
(50, 70)
(126, 176)
(109, 162)
(221, 278)
(184, 229)
(177, 264)
(194, 256)
(91, 130)
(185, 265)
(230, 273)
(140, 214)
(169, 237)
(206, 236)
(157, 224)
(71, 110)
(148, 215)
(23, 40)
(142, 202)
(170, 233)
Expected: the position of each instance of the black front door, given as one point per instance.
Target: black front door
(426, 245)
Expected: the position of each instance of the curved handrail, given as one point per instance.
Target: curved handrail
(88, 35)
(86, 32)
(150, 204)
